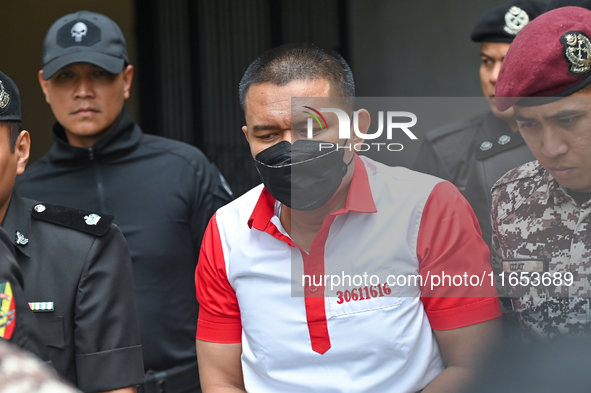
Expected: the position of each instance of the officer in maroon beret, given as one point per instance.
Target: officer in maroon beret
(541, 211)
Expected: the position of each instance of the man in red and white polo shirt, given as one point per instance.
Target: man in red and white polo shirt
(273, 317)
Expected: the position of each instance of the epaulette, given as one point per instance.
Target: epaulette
(80, 220)
(524, 171)
(487, 149)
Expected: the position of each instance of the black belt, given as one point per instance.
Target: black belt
(175, 380)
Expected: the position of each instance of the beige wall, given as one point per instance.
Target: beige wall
(23, 27)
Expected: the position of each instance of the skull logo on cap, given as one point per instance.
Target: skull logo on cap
(78, 31)
(4, 96)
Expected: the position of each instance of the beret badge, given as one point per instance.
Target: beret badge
(515, 20)
(577, 51)
(4, 96)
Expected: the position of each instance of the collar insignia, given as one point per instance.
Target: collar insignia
(92, 219)
(577, 50)
(515, 20)
(4, 96)
(20, 239)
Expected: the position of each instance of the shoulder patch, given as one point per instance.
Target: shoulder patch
(80, 220)
(525, 171)
(7, 311)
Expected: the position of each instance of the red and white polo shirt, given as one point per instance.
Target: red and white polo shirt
(301, 334)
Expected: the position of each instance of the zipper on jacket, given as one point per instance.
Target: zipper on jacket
(99, 180)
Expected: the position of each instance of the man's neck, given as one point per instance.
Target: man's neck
(303, 226)
(4, 209)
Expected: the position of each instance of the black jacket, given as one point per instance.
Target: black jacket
(78, 279)
(162, 194)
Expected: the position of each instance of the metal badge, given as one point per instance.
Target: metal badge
(4, 96)
(577, 50)
(92, 219)
(484, 146)
(39, 208)
(504, 139)
(41, 306)
(20, 239)
(515, 20)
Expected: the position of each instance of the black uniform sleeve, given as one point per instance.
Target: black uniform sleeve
(108, 351)
(213, 193)
(17, 322)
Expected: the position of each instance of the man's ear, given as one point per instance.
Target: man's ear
(22, 149)
(127, 78)
(43, 84)
(363, 121)
(245, 130)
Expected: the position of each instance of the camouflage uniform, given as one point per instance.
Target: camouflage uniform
(534, 219)
(20, 372)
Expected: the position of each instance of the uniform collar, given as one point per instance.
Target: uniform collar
(559, 194)
(18, 221)
(359, 199)
(124, 137)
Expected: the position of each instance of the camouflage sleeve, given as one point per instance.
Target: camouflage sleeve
(495, 251)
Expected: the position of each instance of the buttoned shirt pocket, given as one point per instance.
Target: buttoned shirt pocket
(52, 330)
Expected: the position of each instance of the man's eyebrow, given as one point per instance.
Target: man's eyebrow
(482, 54)
(522, 118)
(565, 113)
(559, 115)
(263, 127)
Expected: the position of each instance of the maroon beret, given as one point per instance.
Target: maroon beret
(550, 57)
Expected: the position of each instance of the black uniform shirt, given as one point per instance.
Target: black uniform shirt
(17, 322)
(162, 193)
(81, 286)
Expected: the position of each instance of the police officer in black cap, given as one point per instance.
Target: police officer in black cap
(17, 322)
(77, 273)
(474, 153)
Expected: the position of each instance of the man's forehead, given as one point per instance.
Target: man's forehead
(578, 103)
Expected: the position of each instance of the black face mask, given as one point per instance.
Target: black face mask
(302, 176)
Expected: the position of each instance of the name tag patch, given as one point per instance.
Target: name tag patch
(524, 265)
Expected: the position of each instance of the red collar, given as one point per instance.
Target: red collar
(359, 199)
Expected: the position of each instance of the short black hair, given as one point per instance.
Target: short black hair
(14, 130)
(306, 61)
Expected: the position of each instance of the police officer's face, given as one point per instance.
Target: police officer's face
(12, 163)
(559, 136)
(86, 100)
(492, 55)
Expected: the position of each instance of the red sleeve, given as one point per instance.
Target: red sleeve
(219, 314)
(452, 253)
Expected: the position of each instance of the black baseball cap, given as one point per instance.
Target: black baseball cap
(10, 100)
(502, 23)
(84, 37)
